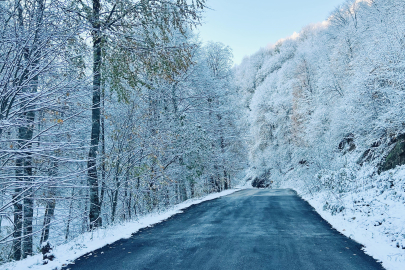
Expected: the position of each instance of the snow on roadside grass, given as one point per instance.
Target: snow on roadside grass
(362, 229)
(372, 215)
(90, 241)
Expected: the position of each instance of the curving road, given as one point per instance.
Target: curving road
(250, 229)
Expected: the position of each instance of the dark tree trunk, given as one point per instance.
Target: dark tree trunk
(49, 212)
(24, 169)
(103, 184)
(25, 135)
(18, 217)
(226, 186)
(167, 196)
(23, 213)
(50, 204)
(70, 215)
(94, 214)
(126, 200)
(129, 206)
(114, 205)
(183, 191)
(115, 196)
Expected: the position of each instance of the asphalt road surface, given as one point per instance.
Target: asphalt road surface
(250, 229)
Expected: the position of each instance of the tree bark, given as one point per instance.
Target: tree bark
(23, 214)
(50, 204)
(115, 196)
(92, 177)
(70, 215)
(25, 135)
(103, 169)
(18, 217)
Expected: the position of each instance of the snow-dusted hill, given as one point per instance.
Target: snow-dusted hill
(324, 110)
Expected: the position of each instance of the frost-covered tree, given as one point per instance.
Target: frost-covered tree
(129, 123)
(329, 97)
(142, 24)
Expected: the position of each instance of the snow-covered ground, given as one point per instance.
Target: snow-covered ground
(66, 253)
(364, 230)
(372, 213)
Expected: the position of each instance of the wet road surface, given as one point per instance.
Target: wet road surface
(250, 229)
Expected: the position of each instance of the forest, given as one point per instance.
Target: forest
(109, 110)
(112, 110)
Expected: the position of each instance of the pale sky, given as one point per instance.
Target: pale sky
(248, 25)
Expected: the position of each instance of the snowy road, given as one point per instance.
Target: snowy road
(251, 229)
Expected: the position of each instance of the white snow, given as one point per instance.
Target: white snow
(90, 241)
(372, 217)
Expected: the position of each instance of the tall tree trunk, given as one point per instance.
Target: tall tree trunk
(129, 206)
(103, 184)
(50, 204)
(24, 166)
(126, 201)
(226, 186)
(25, 135)
(94, 214)
(183, 191)
(70, 215)
(85, 217)
(24, 212)
(221, 129)
(115, 196)
(18, 216)
(137, 197)
(49, 212)
(167, 196)
(114, 203)
(192, 188)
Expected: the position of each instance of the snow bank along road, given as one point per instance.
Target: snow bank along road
(250, 229)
